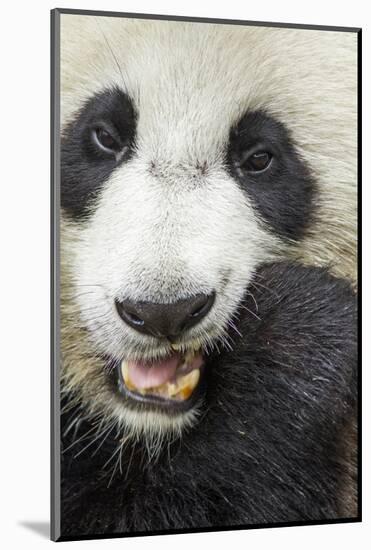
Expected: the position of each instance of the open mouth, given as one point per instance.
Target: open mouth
(172, 382)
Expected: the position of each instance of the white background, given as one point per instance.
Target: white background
(24, 260)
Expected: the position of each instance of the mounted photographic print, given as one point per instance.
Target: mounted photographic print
(204, 274)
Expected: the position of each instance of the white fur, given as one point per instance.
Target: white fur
(171, 222)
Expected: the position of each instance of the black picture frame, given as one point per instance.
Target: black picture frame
(55, 274)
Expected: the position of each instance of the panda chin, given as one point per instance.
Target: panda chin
(172, 385)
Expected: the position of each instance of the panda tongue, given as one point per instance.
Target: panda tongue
(150, 375)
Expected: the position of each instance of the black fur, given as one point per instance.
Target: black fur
(269, 445)
(284, 193)
(83, 167)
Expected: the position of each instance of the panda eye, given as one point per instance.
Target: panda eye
(256, 162)
(106, 142)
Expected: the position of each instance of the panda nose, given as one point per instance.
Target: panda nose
(165, 320)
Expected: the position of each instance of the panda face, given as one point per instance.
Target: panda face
(156, 234)
(179, 178)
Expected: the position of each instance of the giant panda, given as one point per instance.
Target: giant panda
(208, 265)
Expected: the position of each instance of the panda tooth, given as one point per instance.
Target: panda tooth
(124, 369)
(187, 384)
(176, 347)
(125, 375)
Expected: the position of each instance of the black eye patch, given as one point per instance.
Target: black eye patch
(262, 158)
(100, 138)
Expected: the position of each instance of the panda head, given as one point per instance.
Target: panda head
(190, 155)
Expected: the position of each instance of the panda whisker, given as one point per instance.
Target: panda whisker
(107, 433)
(82, 438)
(71, 425)
(233, 326)
(122, 448)
(256, 284)
(118, 461)
(114, 469)
(129, 463)
(253, 297)
(100, 433)
(242, 306)
(111, 457)
(225, 342)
